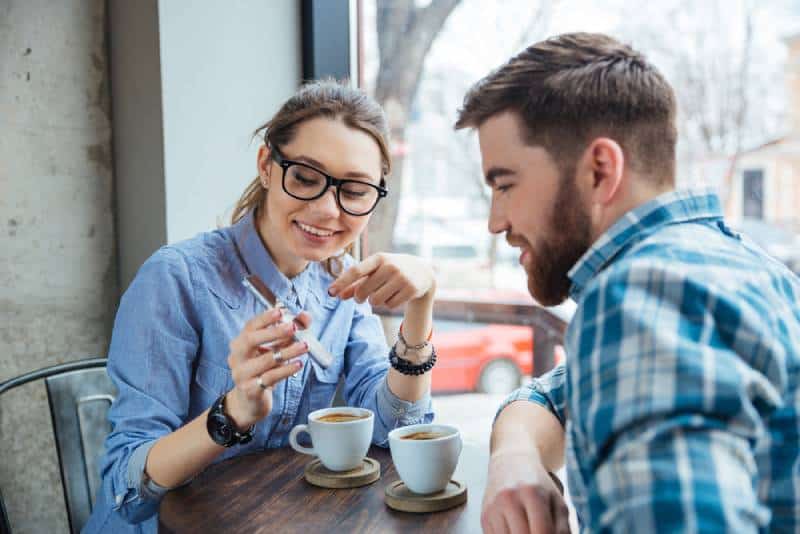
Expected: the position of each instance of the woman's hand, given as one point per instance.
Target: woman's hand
(386, 279)
(253, 356)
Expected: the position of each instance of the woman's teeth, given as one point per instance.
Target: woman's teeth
(315, 231)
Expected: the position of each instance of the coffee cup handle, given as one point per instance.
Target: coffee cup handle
(296, 446)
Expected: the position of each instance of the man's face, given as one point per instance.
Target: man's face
(540, 211)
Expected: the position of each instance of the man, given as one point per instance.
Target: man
(678, 403)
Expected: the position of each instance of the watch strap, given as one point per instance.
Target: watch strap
(217, 417)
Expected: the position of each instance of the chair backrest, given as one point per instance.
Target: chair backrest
(80, 395)
(79, 403)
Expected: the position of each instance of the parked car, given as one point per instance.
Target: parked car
(488, 359)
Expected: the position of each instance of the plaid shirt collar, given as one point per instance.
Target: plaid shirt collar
(670, 208)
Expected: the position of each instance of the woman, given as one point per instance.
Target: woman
(189, 341)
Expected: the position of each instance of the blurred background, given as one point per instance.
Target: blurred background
(735, 66)
(127, 125)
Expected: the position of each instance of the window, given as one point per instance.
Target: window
(419, 58)
(753, 193)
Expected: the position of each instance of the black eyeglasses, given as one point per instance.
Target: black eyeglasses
(304, 182)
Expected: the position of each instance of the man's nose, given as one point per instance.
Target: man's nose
(497, 220)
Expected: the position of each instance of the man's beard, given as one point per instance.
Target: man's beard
(566, 240)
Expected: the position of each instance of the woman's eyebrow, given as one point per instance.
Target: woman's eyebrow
(320, 166)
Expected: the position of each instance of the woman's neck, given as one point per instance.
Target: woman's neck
(286, 262)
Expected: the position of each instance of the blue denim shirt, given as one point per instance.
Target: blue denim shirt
(168, 360)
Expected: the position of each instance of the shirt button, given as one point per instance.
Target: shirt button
(285, 421)
(119, 499)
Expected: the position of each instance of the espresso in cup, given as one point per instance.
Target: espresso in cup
(340, 437)
(425, 456)
(424, 435)
(340, 417)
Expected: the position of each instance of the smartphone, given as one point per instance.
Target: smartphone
(261, 292)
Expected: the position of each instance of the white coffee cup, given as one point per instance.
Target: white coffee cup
(425, 465)
(340, 446)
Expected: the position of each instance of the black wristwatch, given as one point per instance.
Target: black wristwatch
(222, 429)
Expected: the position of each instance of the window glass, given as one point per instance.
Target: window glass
(735, 67)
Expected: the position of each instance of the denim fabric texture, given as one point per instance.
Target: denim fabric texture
(168, 360)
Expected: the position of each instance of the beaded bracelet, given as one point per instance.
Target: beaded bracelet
(407, 368)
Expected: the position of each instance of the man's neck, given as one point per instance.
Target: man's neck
(637, 191)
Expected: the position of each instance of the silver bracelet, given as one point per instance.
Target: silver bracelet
(406, 347)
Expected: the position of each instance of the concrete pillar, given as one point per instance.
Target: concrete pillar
(58, 277)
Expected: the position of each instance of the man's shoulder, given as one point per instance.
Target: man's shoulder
(693, 262)
(701, 251)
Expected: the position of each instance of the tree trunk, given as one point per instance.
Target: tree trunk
(405, 36)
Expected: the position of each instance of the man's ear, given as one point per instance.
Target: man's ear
(604, 164)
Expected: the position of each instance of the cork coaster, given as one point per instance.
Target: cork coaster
(319, 475)
(399, 497)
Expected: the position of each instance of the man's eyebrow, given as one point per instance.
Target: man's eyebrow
(496, 172)
(320, 166)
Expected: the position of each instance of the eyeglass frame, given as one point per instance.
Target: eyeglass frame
(285, 163)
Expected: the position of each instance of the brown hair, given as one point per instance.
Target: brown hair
(572, 88)
(324, 98)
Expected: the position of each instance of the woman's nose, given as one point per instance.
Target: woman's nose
(327, 203)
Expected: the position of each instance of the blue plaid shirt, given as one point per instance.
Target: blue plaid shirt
(680, 396)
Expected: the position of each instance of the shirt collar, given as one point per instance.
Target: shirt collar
(293, 292)
(669, 208)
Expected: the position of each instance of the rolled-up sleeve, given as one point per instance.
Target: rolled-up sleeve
(547, 390)
(150, 360)
(366, 371)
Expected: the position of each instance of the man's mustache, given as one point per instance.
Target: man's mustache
(517, 241)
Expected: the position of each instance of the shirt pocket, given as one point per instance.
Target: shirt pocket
(230, 297)
(336, 330)
(333, 336)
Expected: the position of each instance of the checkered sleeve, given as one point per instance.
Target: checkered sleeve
(665, 410)
(546, 390)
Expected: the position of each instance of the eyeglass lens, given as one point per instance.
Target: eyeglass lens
(306, 183)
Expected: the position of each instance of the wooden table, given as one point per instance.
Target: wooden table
(266, 492)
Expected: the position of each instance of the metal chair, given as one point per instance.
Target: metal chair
(79, 394)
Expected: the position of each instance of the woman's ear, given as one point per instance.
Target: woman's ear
(264, 166)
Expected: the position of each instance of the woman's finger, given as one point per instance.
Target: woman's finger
(385, 274)
(266, 361)
(272, 335)
(274, 376)
(246, 345)
(400, 298)
(386, 291)
(303, 320)
(350, 291)
(354, 273)
(264, 319)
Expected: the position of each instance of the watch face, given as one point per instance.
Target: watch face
(219, 429)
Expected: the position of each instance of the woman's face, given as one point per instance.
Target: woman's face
(299, 231)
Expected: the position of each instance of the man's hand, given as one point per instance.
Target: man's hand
(521, 497)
